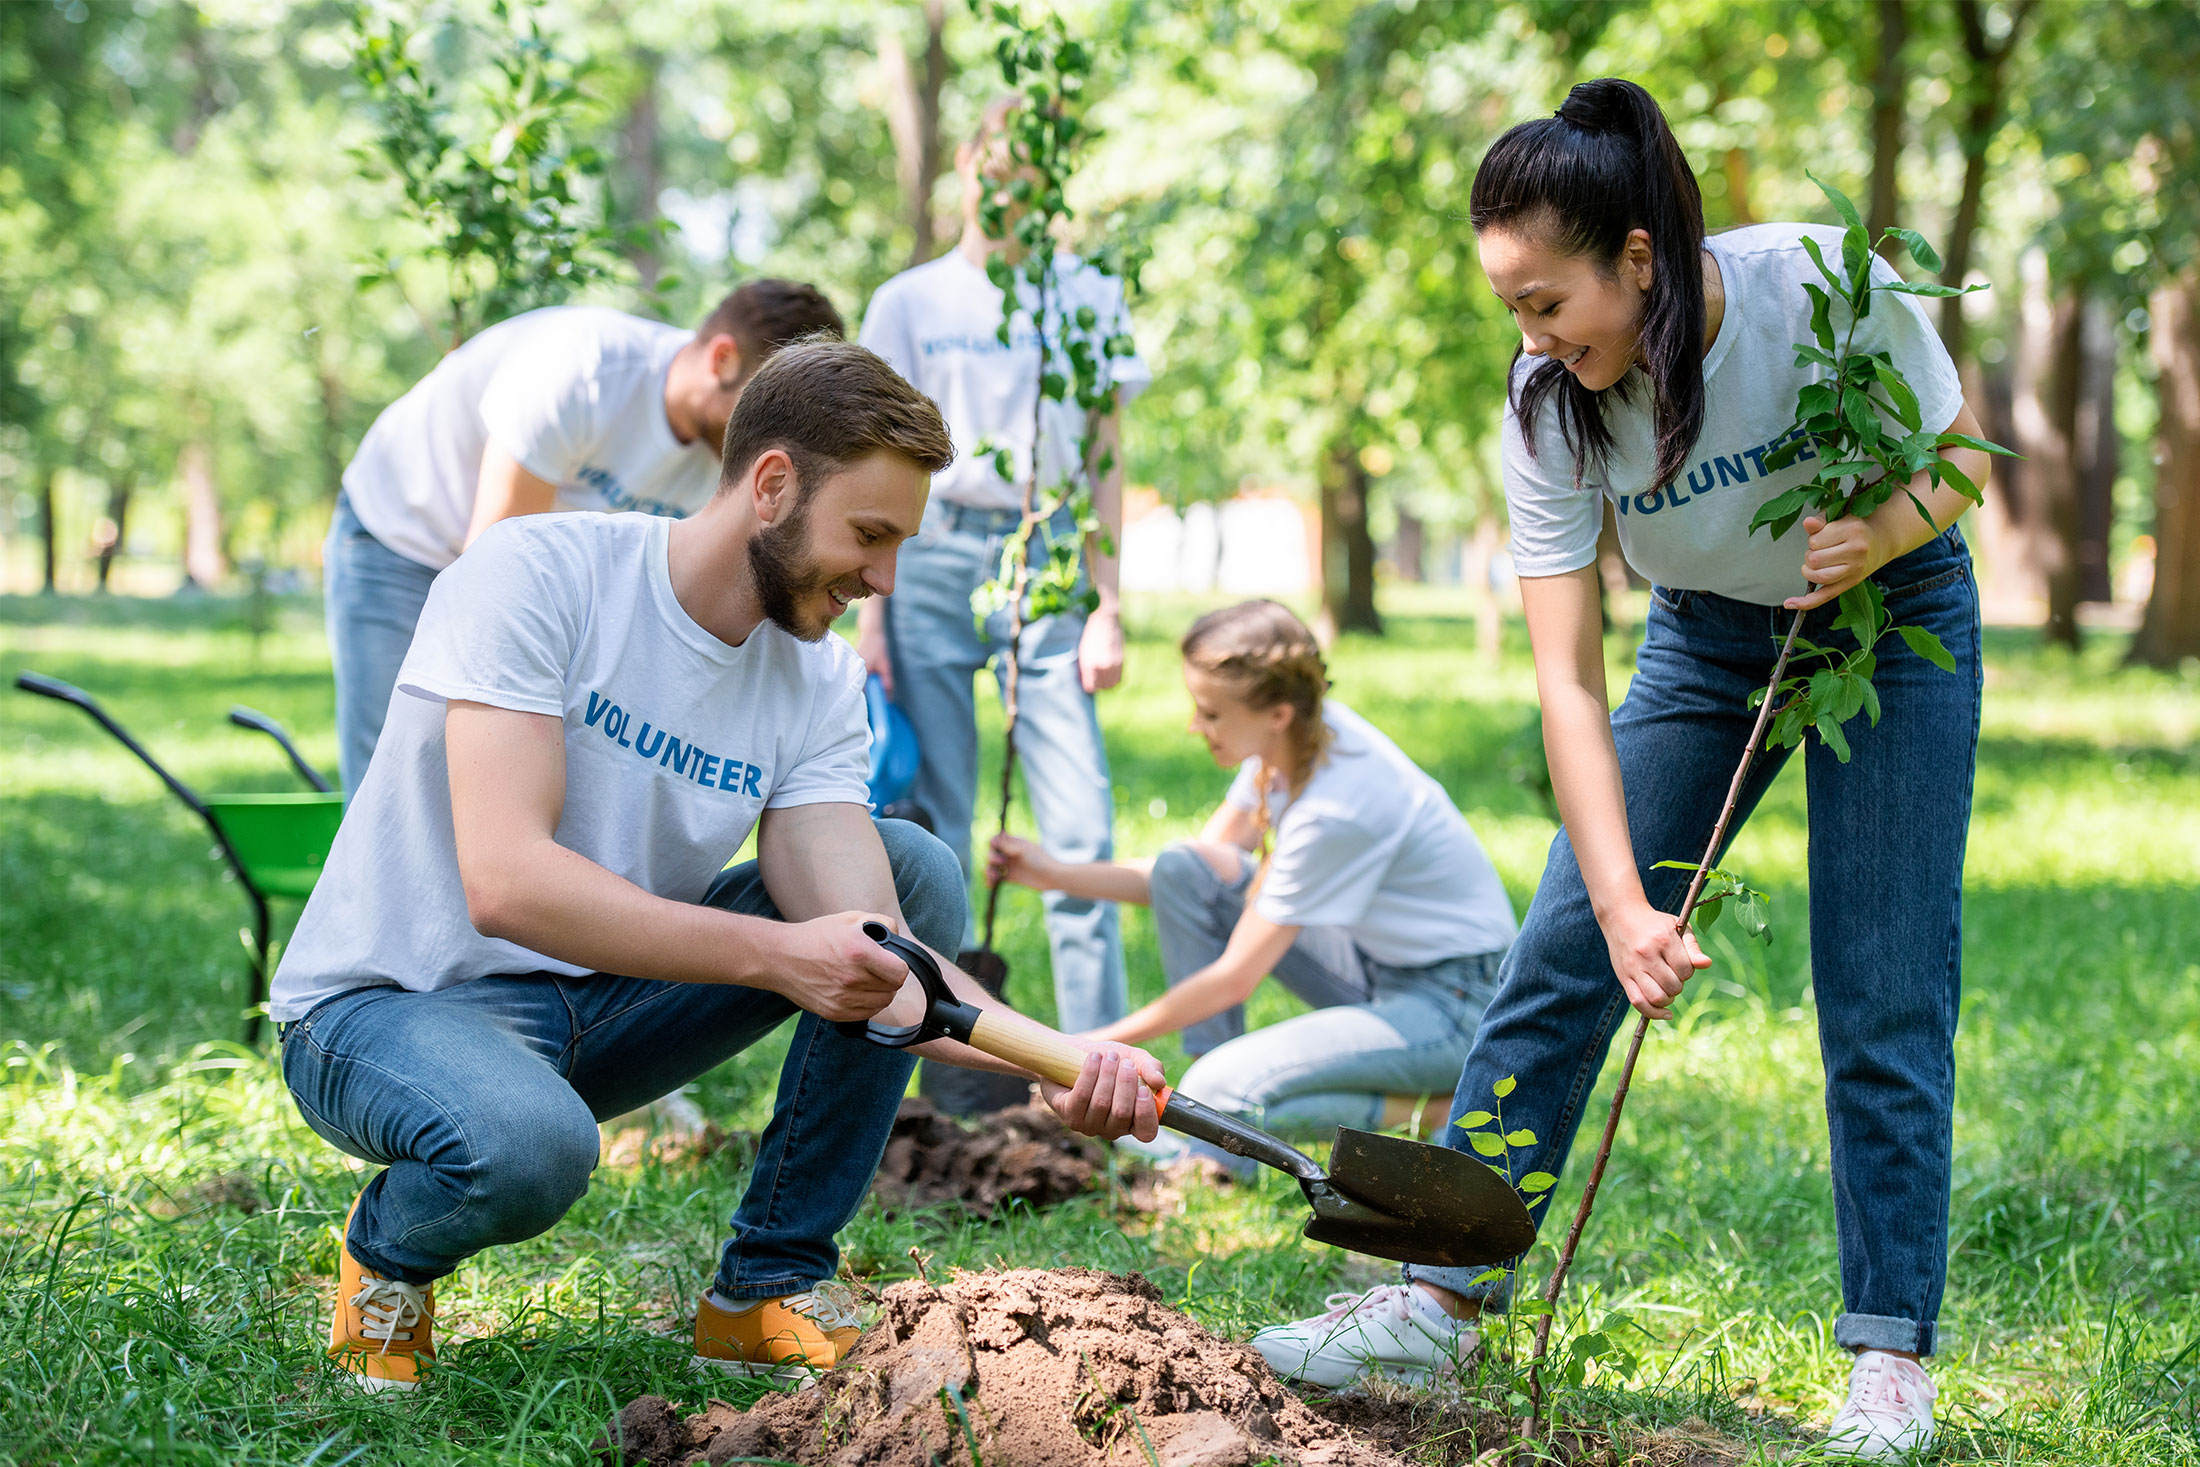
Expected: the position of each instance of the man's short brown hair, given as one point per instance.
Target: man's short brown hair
(829, 404)
(765, 315)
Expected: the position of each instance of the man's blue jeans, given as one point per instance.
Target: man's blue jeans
(481, 1100)
(373, 597)
(937, 649)
(1887, 832)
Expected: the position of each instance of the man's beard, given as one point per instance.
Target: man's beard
(787, 575)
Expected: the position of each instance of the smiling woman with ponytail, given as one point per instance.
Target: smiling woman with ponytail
(1657, 371)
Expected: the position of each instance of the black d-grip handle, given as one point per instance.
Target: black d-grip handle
(945, 1016)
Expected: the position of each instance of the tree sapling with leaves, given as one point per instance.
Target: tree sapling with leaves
(1028, 347)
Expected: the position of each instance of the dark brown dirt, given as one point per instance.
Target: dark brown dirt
(1022, 1153)
(1064, 1368)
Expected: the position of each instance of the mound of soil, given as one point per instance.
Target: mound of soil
(1024, 1152)
(1065, 1368)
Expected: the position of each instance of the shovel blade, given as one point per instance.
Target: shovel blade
(1417, 1203)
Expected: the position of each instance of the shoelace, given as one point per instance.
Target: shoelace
(1390, 1299)
(388, 1310)
(831, 1304)
(1882, 1386)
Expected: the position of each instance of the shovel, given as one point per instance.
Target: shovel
(1380, 1195)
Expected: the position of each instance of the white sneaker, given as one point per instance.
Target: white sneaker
(1889, 1412)
(1394, 1329)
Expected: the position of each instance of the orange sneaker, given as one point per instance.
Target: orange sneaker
(778, 1339)
(384, 1330)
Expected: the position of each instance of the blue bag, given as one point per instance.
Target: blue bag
(893, 746)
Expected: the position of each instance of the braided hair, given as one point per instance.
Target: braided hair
(1266, 657)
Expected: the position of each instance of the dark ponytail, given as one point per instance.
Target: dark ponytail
(1579, 182)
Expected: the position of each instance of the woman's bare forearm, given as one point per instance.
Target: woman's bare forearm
(1105, 881)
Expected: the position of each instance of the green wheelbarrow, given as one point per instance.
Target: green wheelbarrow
(276, 844)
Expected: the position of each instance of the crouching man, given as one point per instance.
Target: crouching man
(524, 925)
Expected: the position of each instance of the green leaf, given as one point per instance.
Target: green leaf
(1829, 729)
(1928, 646)
(1672, 865)
(1474, 1118)
(1817, 257)
(1871, 702)
(1486, 1143)
(1924, 287)
(1898, 391)
(1965, 440)
(1821, 316)
(1488, 1276)
(1841, 203)
(1538, 1182)
(1926, 256)
(1709, 911)
(1945, 472)
(1782, 506)
(1520, 1138)
(1505, 1086)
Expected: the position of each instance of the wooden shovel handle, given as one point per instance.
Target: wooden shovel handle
(1041, 1051)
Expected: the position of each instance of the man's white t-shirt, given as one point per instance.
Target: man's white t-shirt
(576, 396)
(1693, 534)
(1375, 846)
(675, 744)
(938, 325)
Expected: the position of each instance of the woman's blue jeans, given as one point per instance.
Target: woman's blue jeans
(1887, 832)
(481, 1100)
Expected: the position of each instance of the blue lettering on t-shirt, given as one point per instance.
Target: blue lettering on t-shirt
(1715, 472)
(617, 496)
(670, 752)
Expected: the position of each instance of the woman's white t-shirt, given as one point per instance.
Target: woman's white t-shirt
(1693, 534)
(1374, 845)
(675, 745)
(574, 394)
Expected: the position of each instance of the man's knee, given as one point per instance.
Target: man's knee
(928, 882)
(534, 1170)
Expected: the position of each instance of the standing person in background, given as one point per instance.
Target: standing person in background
(937, 324)
(1647, 352)
(1335, 863)
(570, 407)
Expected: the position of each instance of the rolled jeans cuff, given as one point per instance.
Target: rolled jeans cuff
(1885, 1332)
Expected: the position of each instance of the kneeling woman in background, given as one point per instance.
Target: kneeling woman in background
(1334, 863)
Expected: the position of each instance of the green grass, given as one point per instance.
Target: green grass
(166, 1221)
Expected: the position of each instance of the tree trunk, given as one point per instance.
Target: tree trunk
(330, 437)
(1409, 551)
(2095, 442)
(639, 143)
(204, 565)
(118, 526)
(49, 532)
(1738, 206)
(1981, 119)
(2045, 411)
(2170, 630)
(1348, 548)
(913, 117)
(1890, 89)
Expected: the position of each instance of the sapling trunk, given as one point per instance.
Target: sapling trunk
(1565, 1263)
(1012, 661)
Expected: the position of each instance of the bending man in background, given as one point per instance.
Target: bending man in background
(572, 407)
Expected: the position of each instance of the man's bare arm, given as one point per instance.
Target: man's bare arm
(507, 774)
(504, 489)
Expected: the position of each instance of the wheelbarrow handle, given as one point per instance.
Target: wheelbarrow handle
(53, 687)
(245, 717)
